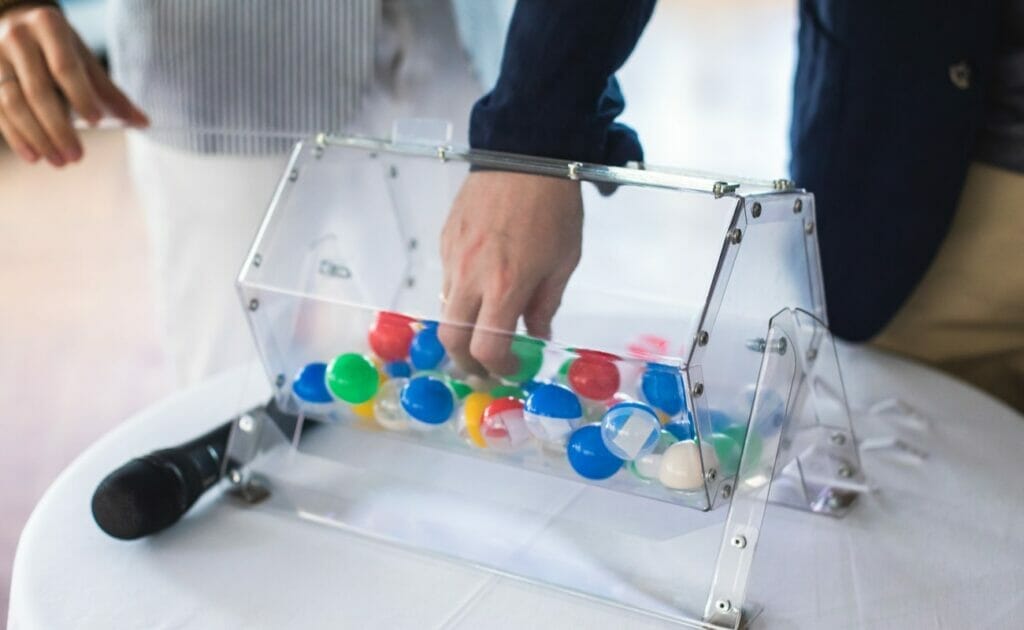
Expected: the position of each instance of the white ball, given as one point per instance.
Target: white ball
(387, 408)
(680, 467)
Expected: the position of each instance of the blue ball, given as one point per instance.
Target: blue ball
(311, 385)
(630, 430)
(398, 369)
(551, 400)
(530, 386)
(662, 388)
(681, 430)
(722, 421)
(428, 400)
(426, 351)
(588, 455)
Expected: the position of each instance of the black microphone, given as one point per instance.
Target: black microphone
(150, 493)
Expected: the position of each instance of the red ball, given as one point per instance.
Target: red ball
(594, 375)
(391, 335)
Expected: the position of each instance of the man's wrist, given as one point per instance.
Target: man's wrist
(7, 5)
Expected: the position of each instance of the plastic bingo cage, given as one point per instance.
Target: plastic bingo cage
(691, 381)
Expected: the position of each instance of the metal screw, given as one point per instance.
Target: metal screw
(574, 170)
(254, 304)
(739, 541)
(783, 184)
(294, 175)
(845, 472)
(280, 381)
(235, 476)
(726, 491)
(735, 236)
(393, 171)
(246, 423)
(755, 211)
(809, 227)
(723, 188)
(798, 205)
(711, 474)
(838, 439)
(257, 260)
(442, 154)
(723, 605)
(702, 338)
(698, 390)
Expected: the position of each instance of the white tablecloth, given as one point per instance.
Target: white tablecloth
(940, 543)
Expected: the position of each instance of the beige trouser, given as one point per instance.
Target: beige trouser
(966, 317)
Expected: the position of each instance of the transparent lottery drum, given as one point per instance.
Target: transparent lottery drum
(690, 378)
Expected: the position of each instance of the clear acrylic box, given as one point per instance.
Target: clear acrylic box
(698, 297)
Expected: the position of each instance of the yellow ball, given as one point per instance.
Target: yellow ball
(473, 412)
(364, 410)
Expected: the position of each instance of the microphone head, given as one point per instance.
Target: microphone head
(138, 499)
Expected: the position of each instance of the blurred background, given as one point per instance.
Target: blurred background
(708, 88)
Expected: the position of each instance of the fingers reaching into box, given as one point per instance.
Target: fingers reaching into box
(509, 246)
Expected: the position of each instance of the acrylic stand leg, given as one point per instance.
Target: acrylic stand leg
(807, 456)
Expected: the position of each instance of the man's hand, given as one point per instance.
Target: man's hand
(509, 246)
(44, 69)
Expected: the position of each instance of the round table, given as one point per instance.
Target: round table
(938, 543)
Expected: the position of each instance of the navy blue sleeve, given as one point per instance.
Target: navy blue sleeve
(557, 95)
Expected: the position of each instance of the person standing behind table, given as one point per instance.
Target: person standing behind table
(908, 125)
(231, 85)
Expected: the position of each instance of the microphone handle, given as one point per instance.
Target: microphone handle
(152, 492)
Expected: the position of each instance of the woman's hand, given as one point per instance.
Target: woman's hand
(509, 246)
(45, 69)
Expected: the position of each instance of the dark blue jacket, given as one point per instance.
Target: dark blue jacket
(887, 100)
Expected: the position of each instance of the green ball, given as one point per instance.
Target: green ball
(729, 447)
(461, 389)
(531, 355)
(353, 378)
(563, 370)
(508, 391)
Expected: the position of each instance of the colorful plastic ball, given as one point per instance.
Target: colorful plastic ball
(727, 450)
(594, 375)
(662, 388)
(461, 388)
(353, 378)
(310, 384)
(681, 430)
(680, 467)
(530, 353)
(589, 456)
(563, 371)
(529, 386)
(390, 336)
(398, 369)
(426, 350)
(503, 427)
(630, 429)
(647, 465)
(364, 411)
(508, 391)
(471, 416)
(387, 406)
(552, 412)
(428, 399)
